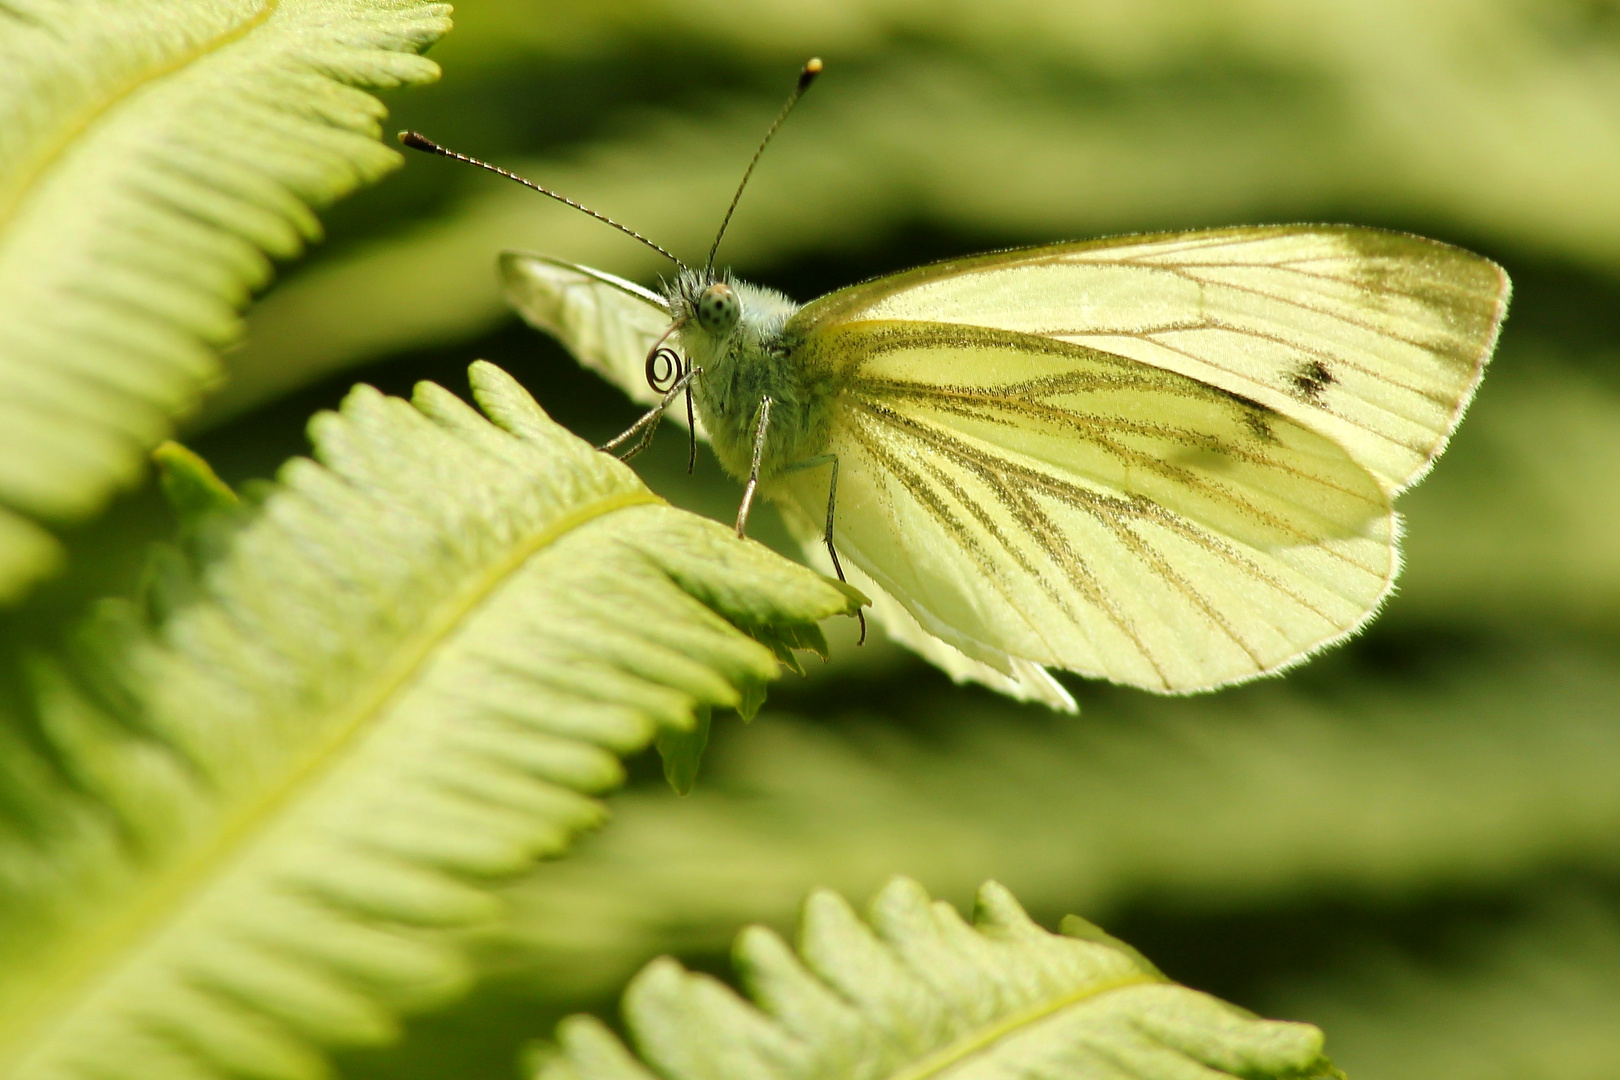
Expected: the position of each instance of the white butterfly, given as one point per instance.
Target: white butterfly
(1166, 460)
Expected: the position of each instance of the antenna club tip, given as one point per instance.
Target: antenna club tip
(808, 75)
(417, 142)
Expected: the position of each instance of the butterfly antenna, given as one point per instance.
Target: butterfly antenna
(428, 146)
(806, 77)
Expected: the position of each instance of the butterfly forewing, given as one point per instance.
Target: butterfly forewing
(1373, 339)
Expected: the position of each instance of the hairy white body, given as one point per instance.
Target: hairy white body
(754, 359)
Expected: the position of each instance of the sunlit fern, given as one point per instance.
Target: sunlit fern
(922, 994)
(238, 835)
(155, 156)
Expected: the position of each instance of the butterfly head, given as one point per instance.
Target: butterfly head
(706, 309)
(707, 305)
(716, 317)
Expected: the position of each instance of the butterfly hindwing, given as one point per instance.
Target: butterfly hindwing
(1035, 499)
(1015, 677)
(608, 323)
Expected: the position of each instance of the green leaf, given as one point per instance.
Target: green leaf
(155, 156)
(190, 484)
(922, 994)
(682, 751)
(241, 835)
(209, 513)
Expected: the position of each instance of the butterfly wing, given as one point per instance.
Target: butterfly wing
(1027, 499)
(608, 323)
(1018, 679)
(1374, 339)
(1166, 460)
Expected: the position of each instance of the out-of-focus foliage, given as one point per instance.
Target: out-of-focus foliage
(922, 993)
(1262, 796)
(1312, 847)
(154, 157)
(248, 821)
(1536, 998)
(1524, 522)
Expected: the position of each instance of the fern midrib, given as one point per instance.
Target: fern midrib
(74, 129)
(986, 1037)
(148, 920)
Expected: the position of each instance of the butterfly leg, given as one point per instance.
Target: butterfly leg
(832, 502)
(647, 425)
(760, 427)
(691, 434)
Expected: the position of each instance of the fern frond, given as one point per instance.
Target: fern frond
(1475, 777)
(922, 994)
(251, 825)
(154, 157)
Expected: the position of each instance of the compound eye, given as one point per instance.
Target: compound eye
(718, 308)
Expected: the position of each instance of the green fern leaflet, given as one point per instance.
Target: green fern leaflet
(244, 828)
(919, 994)
(155, 156)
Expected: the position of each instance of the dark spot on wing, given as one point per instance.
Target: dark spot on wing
(1259, 422)
(1255, 415)
(1311, 379)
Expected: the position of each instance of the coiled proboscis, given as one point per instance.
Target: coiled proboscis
(664, 368)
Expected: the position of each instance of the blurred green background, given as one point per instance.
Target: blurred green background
(1413, 841)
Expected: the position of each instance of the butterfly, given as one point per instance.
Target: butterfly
(1164, 460)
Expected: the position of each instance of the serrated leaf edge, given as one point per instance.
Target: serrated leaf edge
(146, 921)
